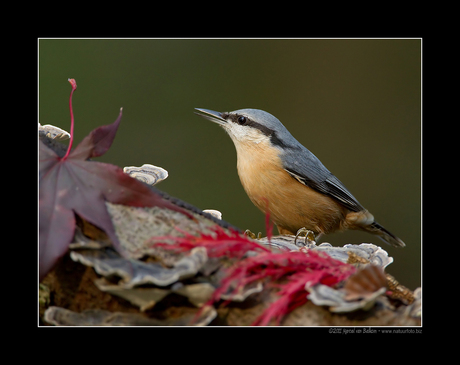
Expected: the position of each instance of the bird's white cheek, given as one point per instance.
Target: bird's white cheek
(242, 134)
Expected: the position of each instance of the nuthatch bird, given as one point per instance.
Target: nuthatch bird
(281, 175)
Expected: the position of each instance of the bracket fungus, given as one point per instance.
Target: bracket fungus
(147, 173)
(53, 132)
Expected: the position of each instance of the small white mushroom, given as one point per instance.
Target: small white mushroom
(53, 132)
(147, 173)
(214, 213)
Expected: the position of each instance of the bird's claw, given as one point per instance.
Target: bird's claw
(308, 234)
(252, 235)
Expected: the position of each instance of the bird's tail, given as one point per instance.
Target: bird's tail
(384, 235)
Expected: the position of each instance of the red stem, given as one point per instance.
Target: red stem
(74, 87)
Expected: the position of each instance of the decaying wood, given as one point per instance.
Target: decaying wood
(73, 295)
(93, 285)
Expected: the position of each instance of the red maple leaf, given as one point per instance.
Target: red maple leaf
(290, 272)
(72, 184)
(232, 244)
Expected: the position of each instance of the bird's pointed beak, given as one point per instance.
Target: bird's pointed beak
(211, 115)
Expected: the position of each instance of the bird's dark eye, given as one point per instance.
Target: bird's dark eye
(242, 120)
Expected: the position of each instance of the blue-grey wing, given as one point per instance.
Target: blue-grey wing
(305, 167)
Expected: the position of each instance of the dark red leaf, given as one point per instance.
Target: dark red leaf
(97, 142)
(74, 185)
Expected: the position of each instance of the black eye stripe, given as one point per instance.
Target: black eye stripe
(233, 118)
(246, 121)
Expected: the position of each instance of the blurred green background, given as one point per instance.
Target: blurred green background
(355, 103)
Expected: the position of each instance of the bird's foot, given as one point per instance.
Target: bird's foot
(308, 234)
(253, 235)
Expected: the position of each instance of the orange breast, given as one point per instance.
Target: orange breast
(292, 205)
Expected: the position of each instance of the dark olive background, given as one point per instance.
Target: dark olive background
(355, 103)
